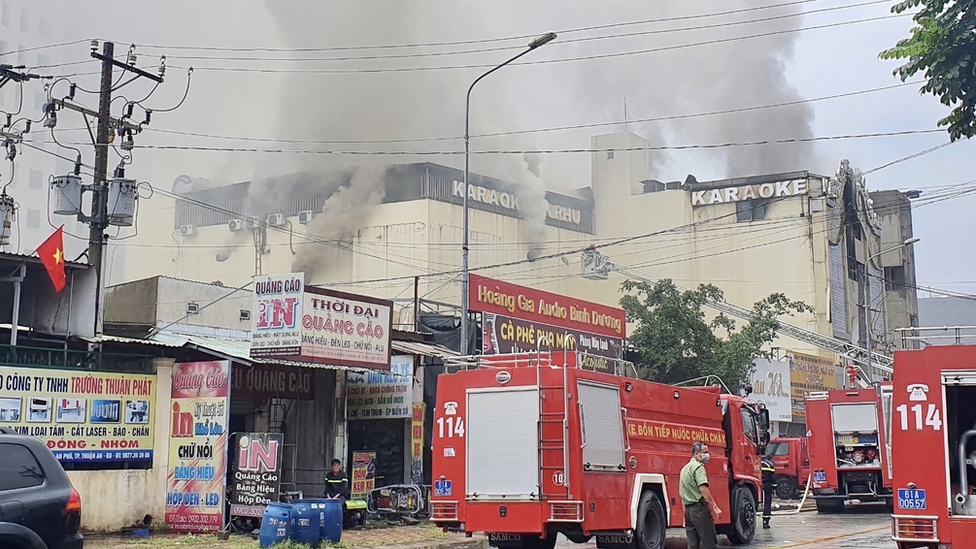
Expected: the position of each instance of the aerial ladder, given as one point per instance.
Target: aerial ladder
(868, 365)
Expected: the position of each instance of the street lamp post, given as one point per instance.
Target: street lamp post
(866, 285)
(465, 297)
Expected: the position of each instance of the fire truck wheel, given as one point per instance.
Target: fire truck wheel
(651, 526)
(743, 527)
(786, 488)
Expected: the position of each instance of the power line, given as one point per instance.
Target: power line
(479, 41)
(275, 150)
(517, 47)
(534, 130)
(548, 61)
(44, 47)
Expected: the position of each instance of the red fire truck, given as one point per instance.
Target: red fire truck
(850, 452)
(528, 446)
(934, 437)
(791, 457)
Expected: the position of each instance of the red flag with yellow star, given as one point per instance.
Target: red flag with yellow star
(51, 253)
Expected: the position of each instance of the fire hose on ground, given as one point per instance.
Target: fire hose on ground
(803, 500)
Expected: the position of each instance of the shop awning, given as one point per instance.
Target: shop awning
(422, 349)
(239, 350)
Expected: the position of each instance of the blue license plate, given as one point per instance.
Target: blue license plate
(911, 499)
(443, 488)
(820, 476)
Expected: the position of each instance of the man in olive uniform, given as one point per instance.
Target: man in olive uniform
(769, 484)
(700, 507)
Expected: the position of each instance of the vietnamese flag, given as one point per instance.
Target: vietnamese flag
(51, 253)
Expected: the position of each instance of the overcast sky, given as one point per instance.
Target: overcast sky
(254, 100)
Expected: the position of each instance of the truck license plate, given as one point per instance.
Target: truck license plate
(443, 488)
(911, 499)
(820, 476)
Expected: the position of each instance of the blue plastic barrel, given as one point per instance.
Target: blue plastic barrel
(305, 522)
(330, 519)
(275, 525)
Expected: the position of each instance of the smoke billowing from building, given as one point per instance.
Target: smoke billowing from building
(344, 212)
(360, 104)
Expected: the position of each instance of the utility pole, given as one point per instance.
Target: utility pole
(96, 234)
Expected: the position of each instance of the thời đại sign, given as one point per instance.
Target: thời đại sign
(302, 323)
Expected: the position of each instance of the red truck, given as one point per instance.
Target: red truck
(934, 437)
(532, 445)
(850, 452)
(791, 457)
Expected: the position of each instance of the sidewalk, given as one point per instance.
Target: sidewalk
(424, 536)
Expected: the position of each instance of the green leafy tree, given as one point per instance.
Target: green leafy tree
(677, 343)
(943, 46)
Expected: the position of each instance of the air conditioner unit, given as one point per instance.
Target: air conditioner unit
(192, 308)
(235, 225)
(305, 216)
(276, 220)
(188, 230)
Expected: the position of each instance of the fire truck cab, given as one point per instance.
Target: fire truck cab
(934, 437)
(531, 445)
(850, 455)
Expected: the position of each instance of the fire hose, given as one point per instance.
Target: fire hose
(803, 500)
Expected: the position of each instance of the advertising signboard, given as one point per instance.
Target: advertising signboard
(199, 411)
(363, 474)
(257, 473)
(83, 417)
(504, 335)
(417, 443)
(809, 373)
(309, 324)
(771, 386)
(511, 300)
(381, 395)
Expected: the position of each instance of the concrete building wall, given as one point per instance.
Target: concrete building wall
(901, 307)
(113, 499)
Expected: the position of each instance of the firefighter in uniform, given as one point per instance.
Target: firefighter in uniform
(769, 484)
(336, 482)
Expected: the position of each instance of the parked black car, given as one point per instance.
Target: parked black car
(39, 509)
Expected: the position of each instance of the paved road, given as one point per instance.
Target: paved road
(805, 530)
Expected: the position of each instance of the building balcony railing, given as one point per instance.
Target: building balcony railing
(97, 361)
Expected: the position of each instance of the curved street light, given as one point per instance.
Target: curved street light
(465, 297)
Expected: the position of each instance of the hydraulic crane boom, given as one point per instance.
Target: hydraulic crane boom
(598, 266)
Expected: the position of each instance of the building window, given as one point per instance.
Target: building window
(23, 20)
(33, 219)
(894, 278)
(609, 155)
(750, 210)
(5, 14)
(245, 314)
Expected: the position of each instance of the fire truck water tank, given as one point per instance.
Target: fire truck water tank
(121, 201)
(67, 194)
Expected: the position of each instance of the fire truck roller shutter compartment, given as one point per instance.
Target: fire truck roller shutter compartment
(602, 430)
(503, 444)
(855, 418)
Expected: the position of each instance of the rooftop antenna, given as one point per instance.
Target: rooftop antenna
(626, 120)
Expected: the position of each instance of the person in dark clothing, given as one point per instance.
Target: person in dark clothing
(336, 482)
(769, 484)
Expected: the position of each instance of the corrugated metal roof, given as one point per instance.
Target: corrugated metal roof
(424, 349)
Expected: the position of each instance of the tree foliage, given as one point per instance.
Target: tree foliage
(942, 45)
(676, 342)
